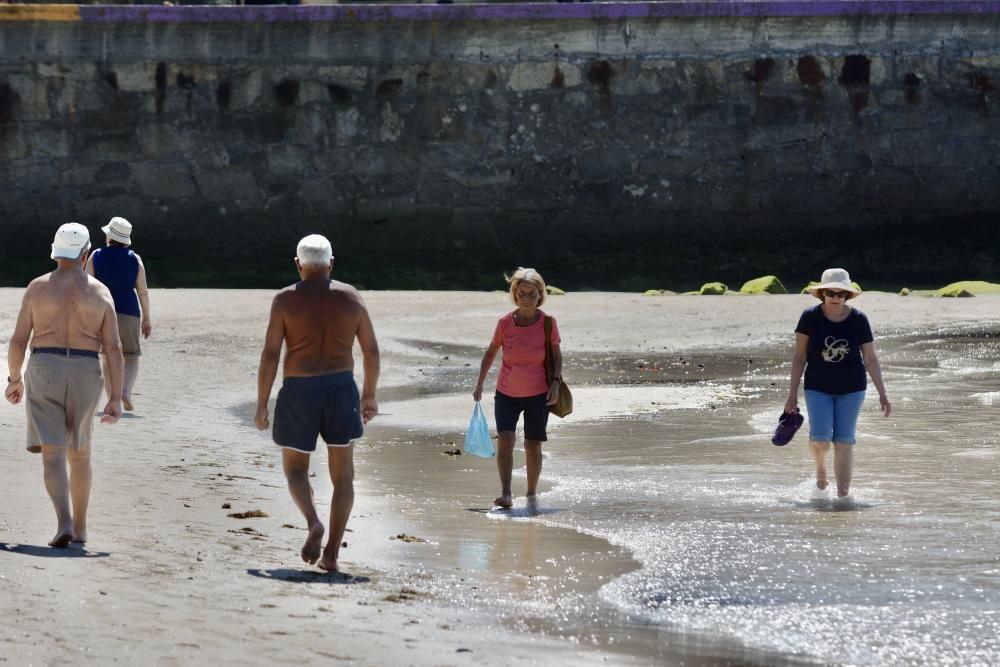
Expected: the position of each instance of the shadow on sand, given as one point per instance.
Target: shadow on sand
(308, 576)
(74, 551)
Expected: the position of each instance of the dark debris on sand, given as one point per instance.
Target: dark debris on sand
(252, 514)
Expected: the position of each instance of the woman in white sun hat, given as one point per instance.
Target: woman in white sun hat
(835, 347)
(122, 271)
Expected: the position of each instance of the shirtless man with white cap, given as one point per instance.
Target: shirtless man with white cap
(67, 317)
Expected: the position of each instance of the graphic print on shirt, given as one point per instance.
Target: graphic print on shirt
(836, 349)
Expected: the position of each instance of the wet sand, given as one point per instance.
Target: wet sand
(168, 574)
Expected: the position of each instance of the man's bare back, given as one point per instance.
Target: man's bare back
(69, 309)
(320, 321)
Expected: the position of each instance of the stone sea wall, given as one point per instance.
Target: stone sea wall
(630, 145)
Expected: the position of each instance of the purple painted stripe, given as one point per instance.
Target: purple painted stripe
(505, 12)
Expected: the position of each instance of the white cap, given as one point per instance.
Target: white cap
(70, 241)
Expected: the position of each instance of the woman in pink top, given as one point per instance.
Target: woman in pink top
(522, 386)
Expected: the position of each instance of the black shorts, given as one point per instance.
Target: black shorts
(507, 410)
(308, 407)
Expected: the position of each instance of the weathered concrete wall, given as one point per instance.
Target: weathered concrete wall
(610, 145)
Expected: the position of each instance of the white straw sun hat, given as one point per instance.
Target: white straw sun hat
(835, 279)
(119, 229)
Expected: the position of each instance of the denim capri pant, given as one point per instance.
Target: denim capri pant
(833, 417)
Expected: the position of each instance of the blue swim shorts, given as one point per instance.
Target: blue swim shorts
(507, 410)
(833, 417)
(321, 405)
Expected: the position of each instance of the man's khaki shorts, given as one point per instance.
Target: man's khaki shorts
(61, 395)
(128, 331)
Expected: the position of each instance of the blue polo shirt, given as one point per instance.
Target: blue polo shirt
(834, 364)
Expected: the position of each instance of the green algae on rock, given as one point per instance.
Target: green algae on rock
(966, 288)
(713, 289)
(763, 285)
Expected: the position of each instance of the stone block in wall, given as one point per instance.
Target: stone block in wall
(479, 176)
(638, 78)
(113, 172)
(94, 146)
(794, 159)
(229, 185)
(542, 76)
(325, 196)
(380, 160)
(164, 180)
(28, 97)
(51, 142)
(735, 197)
(245, 86)
(333, 160)
(802, 195)
(135, 77)
(389, 208)
(12, 144)
(354, 77)
(390, 125)
(73, 174)
(348, 125)
(309, 127)
(680, 195)
(605, 164)
(285, 161)
(70, 71)
(387, 185)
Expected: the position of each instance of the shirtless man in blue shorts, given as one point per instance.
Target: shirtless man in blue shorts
(318, 319)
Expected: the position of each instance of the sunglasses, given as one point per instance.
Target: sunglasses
(839, 295)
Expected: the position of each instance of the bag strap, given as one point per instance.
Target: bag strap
(548, 350)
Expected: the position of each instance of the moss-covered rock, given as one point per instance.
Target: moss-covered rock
(763, 285)
(953, 292)
(904, 292)
(554, 291)
(658, 292)
(713, 289)
(971, 287)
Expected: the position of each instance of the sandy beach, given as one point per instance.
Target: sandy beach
(169, 576)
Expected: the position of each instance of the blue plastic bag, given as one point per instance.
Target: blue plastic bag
(477, 438)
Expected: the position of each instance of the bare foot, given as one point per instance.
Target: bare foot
(127, 404)
(311, 549)
(822, 483)
(531, 505)
(79, 538)
(61, 541)
(505, 502)
(328, 564)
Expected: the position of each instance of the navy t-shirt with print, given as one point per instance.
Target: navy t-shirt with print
(834, 364)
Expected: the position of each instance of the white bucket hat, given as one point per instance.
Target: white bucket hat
(70, 241)
(835, 279)
(119, 229)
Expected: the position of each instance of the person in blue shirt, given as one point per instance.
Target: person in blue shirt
(835, 346)
(122, 271)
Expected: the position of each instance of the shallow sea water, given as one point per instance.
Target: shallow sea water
(741, 560)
